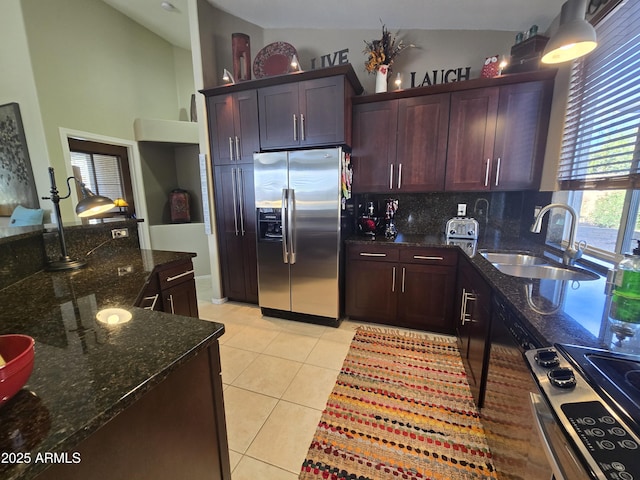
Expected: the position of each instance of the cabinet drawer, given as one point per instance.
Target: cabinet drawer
(380, 253)
(176, 275)
(429, 256)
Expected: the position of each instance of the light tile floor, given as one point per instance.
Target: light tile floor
(277, 375)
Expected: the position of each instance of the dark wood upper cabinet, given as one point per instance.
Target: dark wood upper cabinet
(401, 145)
(233, 127)
(497, 137)
(304, 114)
(421, 146)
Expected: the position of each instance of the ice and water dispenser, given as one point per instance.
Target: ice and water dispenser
(269, 224)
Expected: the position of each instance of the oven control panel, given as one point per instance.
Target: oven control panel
(607, 447)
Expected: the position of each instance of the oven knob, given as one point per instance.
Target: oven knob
(547, 358)
(562, 377)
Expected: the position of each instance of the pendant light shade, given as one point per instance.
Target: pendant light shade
(575, 36)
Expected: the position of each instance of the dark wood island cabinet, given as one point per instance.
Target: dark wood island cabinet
(138, 399)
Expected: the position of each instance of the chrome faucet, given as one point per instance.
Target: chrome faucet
(571, 253)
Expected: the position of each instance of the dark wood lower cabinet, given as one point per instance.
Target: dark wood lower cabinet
(171, 288)
(175, 430)
(402, 286)
(473, 325)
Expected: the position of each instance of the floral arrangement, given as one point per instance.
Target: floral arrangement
(383, 51)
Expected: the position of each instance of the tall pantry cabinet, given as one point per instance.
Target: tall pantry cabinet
(233, 128)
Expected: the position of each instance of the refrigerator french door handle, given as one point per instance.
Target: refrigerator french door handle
(292, 227)
(285, 227)
(235, 202)
(240, 179)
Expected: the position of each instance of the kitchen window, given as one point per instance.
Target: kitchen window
(599, 171)
(104, 169)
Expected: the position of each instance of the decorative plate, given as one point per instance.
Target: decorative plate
(274, 59)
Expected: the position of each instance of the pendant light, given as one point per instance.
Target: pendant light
(575, 36)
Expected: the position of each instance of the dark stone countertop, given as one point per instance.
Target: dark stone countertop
(553, 311)
(86, 372)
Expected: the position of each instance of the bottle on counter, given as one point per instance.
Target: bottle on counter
(625, 301)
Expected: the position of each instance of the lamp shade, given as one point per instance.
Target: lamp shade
(575, 36)
(92, 204)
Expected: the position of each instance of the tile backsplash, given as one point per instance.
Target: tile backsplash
(507, 214)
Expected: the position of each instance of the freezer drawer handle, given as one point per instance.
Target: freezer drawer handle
(180, 275)
(425, 257)
(365, 254)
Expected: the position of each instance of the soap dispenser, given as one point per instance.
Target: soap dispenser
(625, 301)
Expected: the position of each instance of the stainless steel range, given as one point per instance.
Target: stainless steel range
(589, 411)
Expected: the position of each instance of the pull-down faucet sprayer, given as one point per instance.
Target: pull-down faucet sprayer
(571, 253)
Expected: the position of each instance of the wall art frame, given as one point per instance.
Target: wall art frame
(17, 184)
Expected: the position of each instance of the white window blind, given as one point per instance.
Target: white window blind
(101, 173)
(600, 148)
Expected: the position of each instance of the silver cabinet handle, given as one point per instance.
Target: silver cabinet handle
(365, 254)
(180, 275)
(486, 174)
(295, 128)
(153, 303)
(234, 185)
(498, 172)
(302, 132)
(238, 152)
(393, 280)
(403, 275)
(391, 177)
(240, 179)
(424, 257)
(466, 297)
(283, 219)
(173, 310)
(231, 149)
(399, 175)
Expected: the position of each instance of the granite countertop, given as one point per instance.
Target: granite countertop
(85, 371)
(553, 311)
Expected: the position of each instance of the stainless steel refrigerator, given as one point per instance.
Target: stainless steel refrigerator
(299, 214)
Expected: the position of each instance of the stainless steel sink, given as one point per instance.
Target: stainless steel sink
(527, 265)
(549, 272)
(514, 258)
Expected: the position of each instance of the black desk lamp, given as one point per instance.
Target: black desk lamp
(90, 205)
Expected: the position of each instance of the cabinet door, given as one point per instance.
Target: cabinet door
(521, 133)
(246, 125)
(472, 127)
(374, 146)
(233, 126)
(371, 290)
(322, 112)
(235, 219)
(181, 299)
(472, 326)
(421, 150)
(279, 116)
(221, 128)
(425, 297)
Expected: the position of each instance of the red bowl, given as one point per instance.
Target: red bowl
(18, 352)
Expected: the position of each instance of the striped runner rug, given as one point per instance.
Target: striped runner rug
(401, 408)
